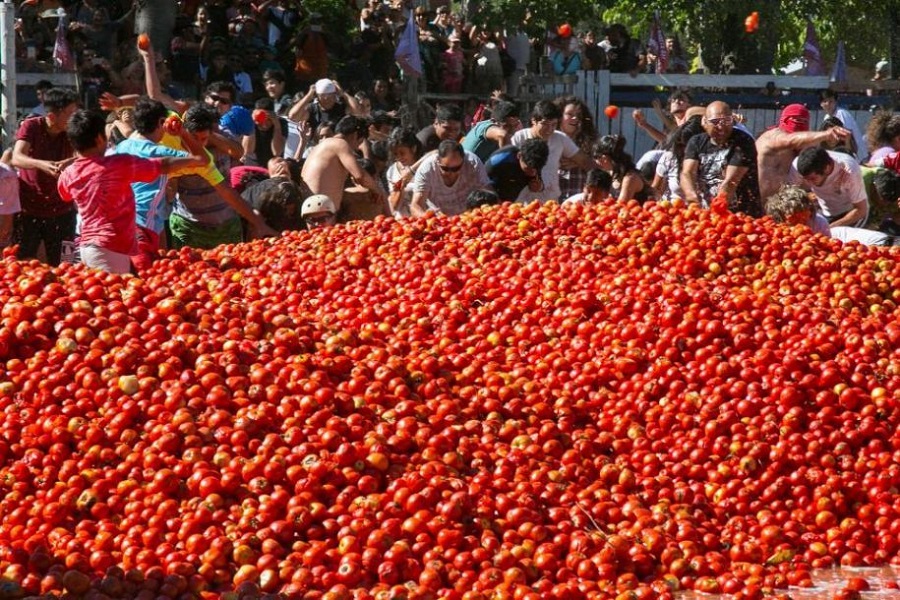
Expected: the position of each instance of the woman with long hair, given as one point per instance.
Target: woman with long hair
(405, 150)
(578, 124)
(883, 136)
(667, 179)
(628, 183)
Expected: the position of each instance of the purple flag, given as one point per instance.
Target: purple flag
(839, 72)
(62, 53)
(811, 52)
(407, 52)
(657, 44)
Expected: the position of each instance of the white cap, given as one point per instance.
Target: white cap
(325, 86)
(317, 203)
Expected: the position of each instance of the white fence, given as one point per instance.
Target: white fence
(595, 88)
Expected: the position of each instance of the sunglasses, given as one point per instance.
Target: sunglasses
(447, 169)
(220, 99)
(728, 120)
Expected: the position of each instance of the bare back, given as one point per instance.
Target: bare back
(324, 172)
(774, 155)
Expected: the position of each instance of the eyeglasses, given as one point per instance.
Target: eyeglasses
(716, 121)
(448, 169)
(219, 99)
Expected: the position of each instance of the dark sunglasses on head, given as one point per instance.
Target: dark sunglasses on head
(447, 169)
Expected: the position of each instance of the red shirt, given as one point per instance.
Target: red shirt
(100, 186)
(892, 162)
(37, 190)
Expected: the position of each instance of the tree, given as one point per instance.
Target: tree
(714, 29)
(156, 18)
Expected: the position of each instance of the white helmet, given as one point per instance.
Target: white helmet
(317, 203)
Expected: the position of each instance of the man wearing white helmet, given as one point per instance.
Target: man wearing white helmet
(318, 211)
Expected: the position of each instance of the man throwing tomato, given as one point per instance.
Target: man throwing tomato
(777, 147)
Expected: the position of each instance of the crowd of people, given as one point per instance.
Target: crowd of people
(240, 40)
(157, 166)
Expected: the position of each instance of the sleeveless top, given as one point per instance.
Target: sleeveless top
(477, 144)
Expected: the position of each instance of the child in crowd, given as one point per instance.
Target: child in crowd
(406, 150)
(100, 186)
(597, 187)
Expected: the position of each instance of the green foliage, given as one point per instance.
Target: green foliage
(337, 18)
(714, 29)
(540, 15)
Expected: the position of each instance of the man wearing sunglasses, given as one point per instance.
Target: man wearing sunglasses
(721, 161)
(777, 147)
(235, 121)
(444, 180)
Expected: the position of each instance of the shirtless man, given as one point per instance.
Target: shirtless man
(777, 147)
(331, 160)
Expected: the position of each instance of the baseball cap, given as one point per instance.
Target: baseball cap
(325, 86)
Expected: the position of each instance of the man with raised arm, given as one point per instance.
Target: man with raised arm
(778, 147)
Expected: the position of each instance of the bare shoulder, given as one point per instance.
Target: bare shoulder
(771, 138)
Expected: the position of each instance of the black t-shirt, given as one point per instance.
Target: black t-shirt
(505, 173)
(317, 115)
(264, 142)
(624, 58)
(739, 151)
(430, 140)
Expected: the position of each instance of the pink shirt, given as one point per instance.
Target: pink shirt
(100, 186)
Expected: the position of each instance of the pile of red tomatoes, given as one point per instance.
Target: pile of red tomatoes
(521, 402)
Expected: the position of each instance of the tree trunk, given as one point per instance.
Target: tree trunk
(894, 33)
(156, 18)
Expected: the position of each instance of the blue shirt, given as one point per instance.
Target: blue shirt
(563, 65)
(477, 144)
(149, 198)
(506, 174)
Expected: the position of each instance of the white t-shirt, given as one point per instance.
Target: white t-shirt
(863, 236)
(574, 199)
(840, 190)
(393, 175)
(560, 146)
(450, 200)
(293, 139)
(668, 169)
